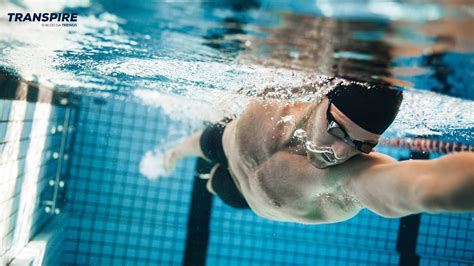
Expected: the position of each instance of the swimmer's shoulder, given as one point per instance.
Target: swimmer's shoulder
(258, 130)
(359, 165)
(263, 117)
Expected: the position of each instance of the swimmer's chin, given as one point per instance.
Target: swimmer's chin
(322, 164)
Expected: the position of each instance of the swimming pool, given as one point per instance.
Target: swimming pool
(139, 75)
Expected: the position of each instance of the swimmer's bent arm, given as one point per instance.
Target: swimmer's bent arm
(395, 189)
(187, 147)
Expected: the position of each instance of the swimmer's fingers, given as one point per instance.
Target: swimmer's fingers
(170, 159)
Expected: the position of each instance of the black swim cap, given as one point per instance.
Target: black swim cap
(373, 108)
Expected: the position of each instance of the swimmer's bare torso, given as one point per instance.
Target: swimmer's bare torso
(273, 171)
(282, 179)
(280, 182)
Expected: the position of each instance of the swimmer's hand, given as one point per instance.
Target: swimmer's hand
(170, 159)
(158, 163)
(186, 147)
(162, 161)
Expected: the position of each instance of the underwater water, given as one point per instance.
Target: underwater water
(204, 60)
(152, 72)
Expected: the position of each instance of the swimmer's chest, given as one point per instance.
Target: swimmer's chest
(325, 207)
(300, 198)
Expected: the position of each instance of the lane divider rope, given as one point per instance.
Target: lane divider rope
(426, 145)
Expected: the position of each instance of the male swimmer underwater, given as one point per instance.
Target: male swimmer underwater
(314, 163)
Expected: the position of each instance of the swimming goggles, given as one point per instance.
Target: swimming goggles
(337, 131)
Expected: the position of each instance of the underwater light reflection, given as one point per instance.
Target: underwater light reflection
(11, 167)
(29, 190)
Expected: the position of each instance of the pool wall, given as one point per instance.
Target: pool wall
(33, 142)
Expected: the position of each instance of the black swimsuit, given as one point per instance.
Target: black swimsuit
(222, 182)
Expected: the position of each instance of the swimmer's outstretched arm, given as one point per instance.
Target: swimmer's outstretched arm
(383, 185)
(395, 189)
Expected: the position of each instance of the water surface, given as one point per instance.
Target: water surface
(203, 60)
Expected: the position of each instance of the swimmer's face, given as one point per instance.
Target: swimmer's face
(333, 150)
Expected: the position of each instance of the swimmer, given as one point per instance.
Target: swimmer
(314, 163)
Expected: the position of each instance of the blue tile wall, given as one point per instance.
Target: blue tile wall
(447, 236)
(119, 216)
(429, 261)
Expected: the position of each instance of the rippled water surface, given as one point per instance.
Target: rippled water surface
(202, 60)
